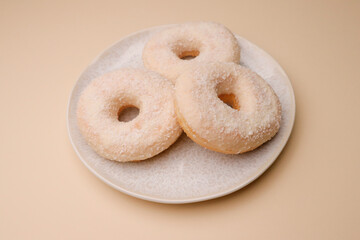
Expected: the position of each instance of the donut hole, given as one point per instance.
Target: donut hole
(127, 113)
(188, 54)
(230, 100)
(186, 49)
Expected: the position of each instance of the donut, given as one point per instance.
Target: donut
(226, 107)
(151, 132)
(171, 51)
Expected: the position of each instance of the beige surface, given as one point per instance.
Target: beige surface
(311, 192)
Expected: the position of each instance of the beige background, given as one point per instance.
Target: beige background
(311, 192)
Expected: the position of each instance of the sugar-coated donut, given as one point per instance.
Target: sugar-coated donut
(253, 119)
(151, 132)
(166, 51)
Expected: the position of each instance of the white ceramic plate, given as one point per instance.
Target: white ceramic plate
(185, 172)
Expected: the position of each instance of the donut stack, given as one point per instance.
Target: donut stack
(193, 82)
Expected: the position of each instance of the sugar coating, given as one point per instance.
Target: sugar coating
(185, 171)
(151, 132)
(217, 126)
(211, 41)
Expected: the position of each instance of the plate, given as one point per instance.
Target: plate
(185, 172)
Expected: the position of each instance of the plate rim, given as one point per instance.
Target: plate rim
(150, 198)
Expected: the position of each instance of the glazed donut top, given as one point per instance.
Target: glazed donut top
(152, 131)
(204, 41)
(254, 118)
